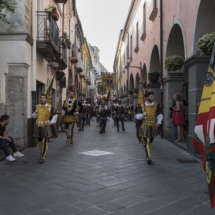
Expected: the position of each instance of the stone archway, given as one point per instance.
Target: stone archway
(155, 60)
(175, 44)
(137, 82)
(205, 21)
(144, 74)
(131, 82)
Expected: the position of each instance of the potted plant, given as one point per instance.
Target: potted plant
(53, 12)
(206, 44)
(136, 90)
(130, 92)
(154, 77)
(125, 95)
(84, 95)
(67, 40)
(174, 63)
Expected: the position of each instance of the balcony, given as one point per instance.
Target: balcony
(47, 36)
(79, 66)
(61, 59)
(74, 54)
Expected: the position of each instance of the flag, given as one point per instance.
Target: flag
(48, 91)
(140, 105)
(204, 135)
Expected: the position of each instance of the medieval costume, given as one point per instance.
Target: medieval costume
(72, 108)
(42, 128)
(82, 118)
(120, 113)
(103, 113)
(148, 129)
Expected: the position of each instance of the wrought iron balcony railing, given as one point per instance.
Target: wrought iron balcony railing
(47, 29)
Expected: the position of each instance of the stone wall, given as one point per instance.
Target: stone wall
(16, 100)
(173, 84)
(2, 108)
(197, 70)
(19, 20)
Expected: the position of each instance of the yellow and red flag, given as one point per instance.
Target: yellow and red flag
(204, 137)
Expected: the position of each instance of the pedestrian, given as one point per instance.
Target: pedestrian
(178, 116)
(5, 139)
(172, 111)
(151, 122)
(72, 109)
(42, 127)
(120, 113)
(82, 117)
(103, 113)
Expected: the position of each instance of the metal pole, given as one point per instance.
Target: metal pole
(161, 58)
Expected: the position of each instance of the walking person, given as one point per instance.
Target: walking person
(151, 122)
(103, 117)
(5, 139)
(172, 112)
(82, 117)
(42, 127)
(72, 109)
(120, 113)
(178, 118)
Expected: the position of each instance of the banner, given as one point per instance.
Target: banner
(204, 137)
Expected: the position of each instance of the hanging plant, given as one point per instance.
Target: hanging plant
(174, 63)
(145, 84)
(136, 90)
(125, 95)
(154, 77)
(206, 44)
(130, 92)
(67, 40)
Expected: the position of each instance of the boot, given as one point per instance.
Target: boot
(117, 128)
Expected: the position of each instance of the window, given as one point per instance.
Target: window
(144, 18)
(131, 46)
(154, 10)
(143, 37)
(137, 38)
(137, 35)
(127, 48)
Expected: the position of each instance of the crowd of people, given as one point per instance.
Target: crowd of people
(79, 113)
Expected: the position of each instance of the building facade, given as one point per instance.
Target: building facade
(184, 23)
(44, 39)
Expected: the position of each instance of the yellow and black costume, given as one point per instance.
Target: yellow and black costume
(148, 129)
(42, 128)
(70, 106)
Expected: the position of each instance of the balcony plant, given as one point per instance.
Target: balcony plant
(131, 92)
(53, 12)
(174, 63)
(67, 40)
(206, 44)
(153, 77)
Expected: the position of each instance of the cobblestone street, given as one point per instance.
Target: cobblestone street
(104, 174)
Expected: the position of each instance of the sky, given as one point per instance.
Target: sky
(102, 21)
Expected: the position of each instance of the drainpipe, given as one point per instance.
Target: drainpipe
(34, 56)
(161, 56)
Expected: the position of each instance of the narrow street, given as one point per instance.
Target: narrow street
(104, 174)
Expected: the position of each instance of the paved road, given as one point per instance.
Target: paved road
(80, 180)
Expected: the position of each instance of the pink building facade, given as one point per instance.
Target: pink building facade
(184, 22)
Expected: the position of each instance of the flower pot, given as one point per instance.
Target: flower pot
(55, 15)
(68, 45)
